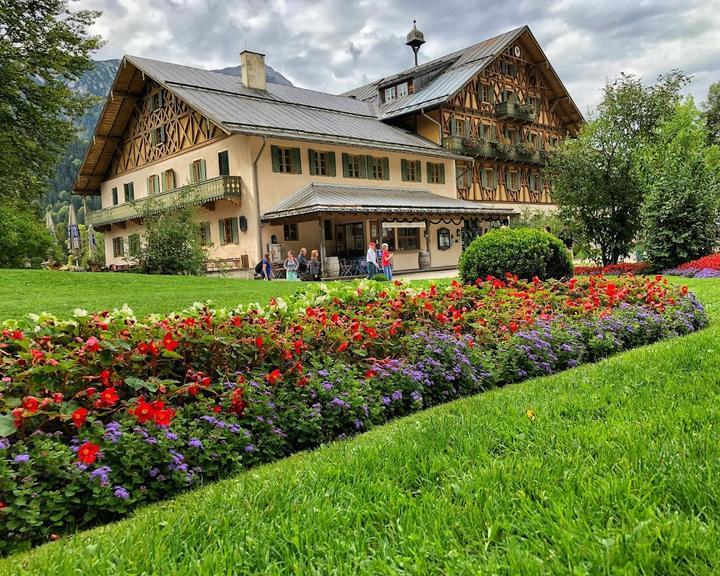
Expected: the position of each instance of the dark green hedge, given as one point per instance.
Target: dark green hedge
(521, 251)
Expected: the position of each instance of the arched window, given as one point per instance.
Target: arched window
(443, 239)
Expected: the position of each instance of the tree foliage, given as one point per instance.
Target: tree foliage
(43, 45)
(593, 179)
(23, 238)
(170, 242)
(681, 177)
(711, 114)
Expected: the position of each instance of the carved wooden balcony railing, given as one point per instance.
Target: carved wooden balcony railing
(202, 193)
(524, 113)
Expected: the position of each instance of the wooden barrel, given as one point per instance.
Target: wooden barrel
(424, 260)
(332, 267)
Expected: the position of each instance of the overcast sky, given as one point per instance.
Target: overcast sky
(335, 45)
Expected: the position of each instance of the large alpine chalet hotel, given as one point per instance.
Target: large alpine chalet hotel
(424, 160)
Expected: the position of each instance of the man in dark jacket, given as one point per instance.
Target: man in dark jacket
(302, 263)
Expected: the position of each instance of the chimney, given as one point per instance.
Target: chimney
(253, 70)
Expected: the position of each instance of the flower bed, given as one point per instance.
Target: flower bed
(705, 267)
(104, 412)
(614, 269)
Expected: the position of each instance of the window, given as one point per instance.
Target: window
(397, 91)
(436, 173)
(460, 126)
(328, 228)
(205, 236)
(168, 180)
(153, 184)
(410, 170)
(129, 190)
(379, 168)
(354, 166)
(488, 178)
(536, 182)
(464, 175)
(512, 181)
(486, 93)
(228, 231)
(118, 247)
(488, 132)
(197, 171)
(156, 101)
(286, 160)
(321, 163)
(157, 135)
(115, 197)
(443, 239)
(290, 232)
(408, 238)
(223, 163)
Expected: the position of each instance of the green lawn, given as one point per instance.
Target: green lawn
(26, 291)
(616, 474)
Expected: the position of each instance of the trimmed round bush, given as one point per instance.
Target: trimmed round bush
(524, 252)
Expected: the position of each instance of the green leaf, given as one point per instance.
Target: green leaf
(7, 426)
(138, 384)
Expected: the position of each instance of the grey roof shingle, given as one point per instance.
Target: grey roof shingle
(324, 198)
(283, 111)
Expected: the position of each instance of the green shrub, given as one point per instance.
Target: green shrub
(23, 236)
(379, 278)
(523, 251)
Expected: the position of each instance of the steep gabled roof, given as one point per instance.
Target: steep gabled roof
(280, 111)
(449, 74)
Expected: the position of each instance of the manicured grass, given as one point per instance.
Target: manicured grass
(614, 470)
(32, 291)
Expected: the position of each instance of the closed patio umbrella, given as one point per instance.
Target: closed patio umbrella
(73, 233)
(50, 224)
(92, 241)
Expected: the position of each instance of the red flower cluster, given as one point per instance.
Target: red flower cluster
(712, 261)
(614, 269)
(152, 411)
(88, 453)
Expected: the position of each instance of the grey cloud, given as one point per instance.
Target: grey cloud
(335, 45)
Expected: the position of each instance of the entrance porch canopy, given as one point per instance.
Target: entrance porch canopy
(316, 199)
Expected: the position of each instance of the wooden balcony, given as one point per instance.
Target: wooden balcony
(200, 194)
(514, 111)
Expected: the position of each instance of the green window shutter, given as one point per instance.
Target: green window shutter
(203, 173)
(404, 169)
(160, 99)
(507, 181)
(494, 179)
(147, 185)
(428, 168)
(484, 178)
(467, 127)
(362, 165)
(163, 182)
(191, 174)
(346, 165)
(275, 153)
(532, 181)
(386, 168)
(312, 161)
(453, 126)
(235, 233)
(441, 167)
(296, 164)
(331, 163)
(418, 170)
(221, 232)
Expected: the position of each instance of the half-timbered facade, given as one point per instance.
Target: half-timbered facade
(422, 160)
(499, 103)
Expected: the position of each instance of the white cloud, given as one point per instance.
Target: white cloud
(334, 45)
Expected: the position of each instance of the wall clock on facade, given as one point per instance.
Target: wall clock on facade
(516, 51)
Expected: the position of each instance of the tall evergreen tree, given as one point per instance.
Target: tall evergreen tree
(711, 113)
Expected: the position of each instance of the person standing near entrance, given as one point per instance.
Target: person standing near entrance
(371, 260)
(302, 263)
(386, 259)
(291, 266)
(313, 266)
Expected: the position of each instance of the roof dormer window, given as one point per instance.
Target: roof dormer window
(396, 91)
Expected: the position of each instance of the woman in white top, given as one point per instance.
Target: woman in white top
(371, 261)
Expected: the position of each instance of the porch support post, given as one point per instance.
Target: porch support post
(322, 243)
